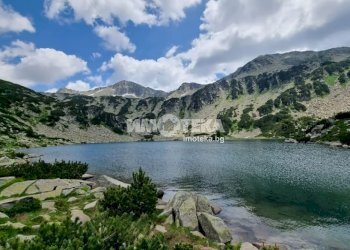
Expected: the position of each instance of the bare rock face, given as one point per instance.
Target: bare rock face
(214, 228)
(195, 212)
(187, 214)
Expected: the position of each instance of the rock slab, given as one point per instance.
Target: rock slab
(214, 228)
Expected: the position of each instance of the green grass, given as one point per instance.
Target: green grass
(331, 79)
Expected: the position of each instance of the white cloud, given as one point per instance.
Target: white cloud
(151, 12)
(171, 51)
(96, 55)
(114, 39)
(24, 64)
(234, 32)
(78, 86)
(170, 10)
(163, 73)
(53, 90)
(107, 10)
(12, 21)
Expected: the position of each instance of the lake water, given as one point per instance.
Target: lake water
(294, 194)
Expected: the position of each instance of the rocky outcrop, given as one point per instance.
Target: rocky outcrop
(214, 228)
(195, 212)
(41, 189)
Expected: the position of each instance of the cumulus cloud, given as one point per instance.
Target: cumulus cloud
(170, 10)
(78, 86)
(25, 64)
(107, 10)
(53, 90)
(235, 31)
(12, 21)
(114, 39)
(151, 12)
(163, 73)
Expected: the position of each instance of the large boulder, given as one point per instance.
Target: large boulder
(214, 228)
(203, 204)
(187, 214)
(178, 199)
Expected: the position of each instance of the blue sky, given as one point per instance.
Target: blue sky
(81, 44)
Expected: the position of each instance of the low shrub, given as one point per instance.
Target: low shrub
(183, 246)
(137, 199)
(43, 170)
(102, 233)
(345, 138)
(24, 205)
(342, 115)
(156, 242)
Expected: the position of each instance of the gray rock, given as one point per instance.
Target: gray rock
(23, 238)
(178, 199)
(187, 214)
(87, 176)
(49, 205)
(216, 210)
(3, 216)
(203, 204)
(72, 199)
(290, 140)
(9, 203)
(247, 246)
(5, 180)
(99, 195)
(115, 181)
(197, 234)
(5, 161)
(161, 229)
(80, 191)
(98, 190)
(91, 205)
(214, 228)
(68, 191)
(17, 188)
(16, 225)
(79, 215)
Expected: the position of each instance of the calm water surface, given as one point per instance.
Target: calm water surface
(296, 194)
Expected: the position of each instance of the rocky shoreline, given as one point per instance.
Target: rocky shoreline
(185, 210)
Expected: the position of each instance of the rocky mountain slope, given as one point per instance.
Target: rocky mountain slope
(122, 88)
(281, 95)
(187, 88)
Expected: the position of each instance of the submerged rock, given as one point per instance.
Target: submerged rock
(214, 228)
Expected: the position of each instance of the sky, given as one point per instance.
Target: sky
(82, 44)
